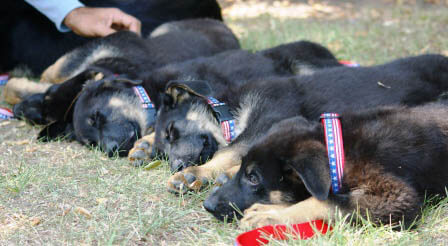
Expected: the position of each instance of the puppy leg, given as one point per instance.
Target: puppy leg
(265, 214)
(141, 152)
(53, 74)
(195, 177)
(227, 175)
(18, 88)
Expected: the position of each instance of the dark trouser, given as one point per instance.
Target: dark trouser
(28, 37)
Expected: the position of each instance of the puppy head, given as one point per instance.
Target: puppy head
(53, 104)
(186, 130)
(108, 114)
(287, 165)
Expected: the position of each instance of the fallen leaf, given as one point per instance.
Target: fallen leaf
(66, 211)
(35, 221)
(31, 149)
(152, 165)
(84, 212)
(20, 142)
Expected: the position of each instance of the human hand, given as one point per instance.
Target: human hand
(100, 22)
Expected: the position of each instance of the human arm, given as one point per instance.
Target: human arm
(86, 21)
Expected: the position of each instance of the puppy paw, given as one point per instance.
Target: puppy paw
(222, 179)
(259, 215)
(140, 154)
(258, 219)
(190, 179)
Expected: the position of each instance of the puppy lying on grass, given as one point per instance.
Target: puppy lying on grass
(394, 156)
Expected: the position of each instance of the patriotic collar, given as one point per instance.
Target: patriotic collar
(6, 114)
(3, 79)
(335, 148)
(349, 63)
(222, 113)
(146, 104)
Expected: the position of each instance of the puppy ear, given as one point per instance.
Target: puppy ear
(57, 130)
(119, 82)
(178, 91)
(60, 97)
(313, 170)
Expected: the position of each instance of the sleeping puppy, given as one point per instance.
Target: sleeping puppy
(122, 53)
(105, 111)
(394, 157)
(226, 72)
(127, 53)
(170, 42)
(252, 108)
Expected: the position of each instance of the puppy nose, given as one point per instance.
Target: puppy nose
(111, 148)
(210, 204)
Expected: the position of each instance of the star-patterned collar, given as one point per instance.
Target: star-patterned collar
(335, 148)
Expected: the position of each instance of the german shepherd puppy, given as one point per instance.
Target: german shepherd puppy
(394, 158)
(227, 71)
(109, 114)
(257, 105)
(170, 42)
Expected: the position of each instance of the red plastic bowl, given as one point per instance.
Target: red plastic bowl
(279, 232)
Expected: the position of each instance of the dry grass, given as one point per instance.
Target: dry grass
(63, 193)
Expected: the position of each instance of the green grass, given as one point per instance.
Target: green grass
(49, 182)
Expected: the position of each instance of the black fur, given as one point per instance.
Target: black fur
(230, 68)
(408, 81)
(131, 57)
(394, 158)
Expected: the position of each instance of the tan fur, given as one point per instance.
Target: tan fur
(142, 148)
(52, 73)
(276, 197)
(125, 105)
(232, 171)
(198, 113)
(310, 209)
(18, 88)
(162, 30)
(245, 109)
(98, 76)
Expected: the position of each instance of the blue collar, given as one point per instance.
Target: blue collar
(3, 79)
(146, 104)
(335, 148)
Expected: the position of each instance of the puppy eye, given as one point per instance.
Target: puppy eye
(205, 139)
(95, 119)
(253, 179)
